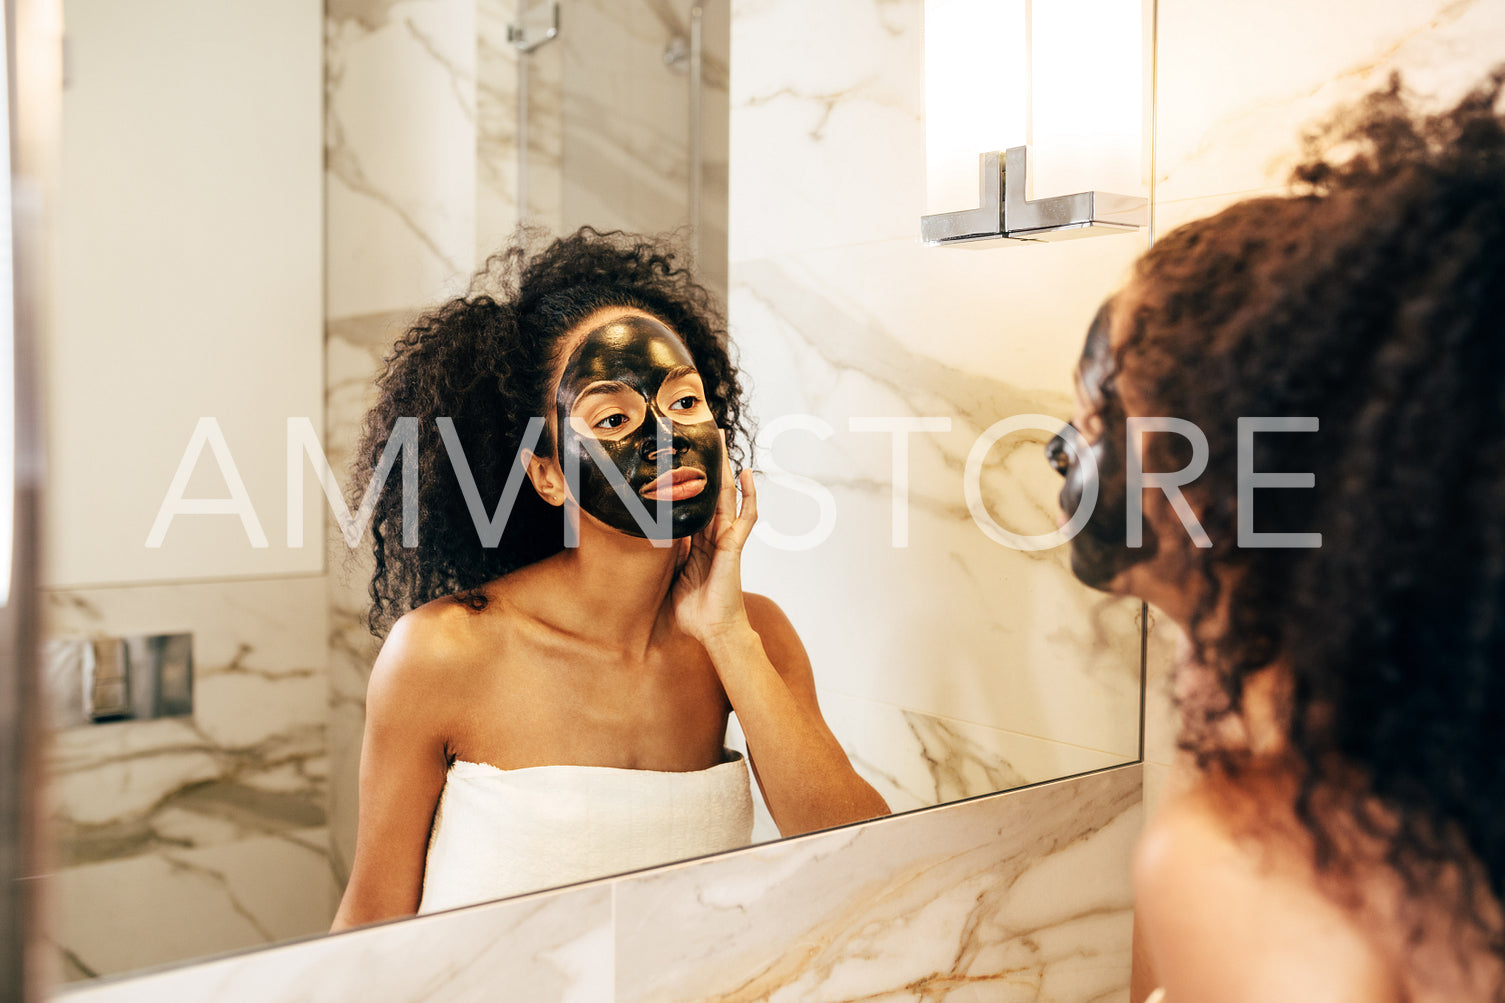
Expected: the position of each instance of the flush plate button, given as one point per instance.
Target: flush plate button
(98, 680)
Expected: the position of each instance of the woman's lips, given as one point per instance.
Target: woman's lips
(676, 485)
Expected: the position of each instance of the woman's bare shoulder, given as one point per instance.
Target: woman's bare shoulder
(764, 614)
(775, 629)
(1231, 915)
(430, 648)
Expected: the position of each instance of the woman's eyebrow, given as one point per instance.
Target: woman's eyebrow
(680, 371)
(604, 387)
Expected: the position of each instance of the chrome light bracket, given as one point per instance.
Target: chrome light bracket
(535, 26)
(1005, 215)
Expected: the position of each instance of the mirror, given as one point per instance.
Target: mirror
(248, 218)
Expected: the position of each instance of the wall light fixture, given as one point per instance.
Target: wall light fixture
(1059, 84)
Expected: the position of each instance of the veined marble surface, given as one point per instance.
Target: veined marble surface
(1238, 84)
(625, 114)
(400, 137)
(841, 316)
(952, 624)
(916, 760)
(827, 136)
(546, 948)
(208, 818)
(1017, 896)
(354, 348)
(190, 901)
(982, 900)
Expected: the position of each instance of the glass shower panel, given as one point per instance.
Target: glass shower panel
(609, 130)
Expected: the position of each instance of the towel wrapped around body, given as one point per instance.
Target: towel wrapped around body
(505, 832)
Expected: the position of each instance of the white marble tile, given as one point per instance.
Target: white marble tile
(1022, 896)
(122, 915)
(208, 812)
(1010, 317)
(552, 948)
(827, 135)
(496, 209)
(545, 173)
(1237, 82)
(354, 349)
(259, 700)
(625, 118)
(1019, 896)
(915, 760)
(953, 624)
(400, 136)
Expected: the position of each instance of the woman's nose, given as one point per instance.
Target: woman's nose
(661, 440)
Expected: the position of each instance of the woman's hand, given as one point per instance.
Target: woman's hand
(707, 592)
(806, 778)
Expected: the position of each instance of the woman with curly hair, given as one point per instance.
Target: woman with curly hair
(1338, 830)
(567, 634)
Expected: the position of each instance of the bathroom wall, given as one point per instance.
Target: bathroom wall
(625, 120)
(1228, 118)
(982, 900)
(949, 664)
(185, 284)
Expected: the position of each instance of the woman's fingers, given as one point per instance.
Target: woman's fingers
(749, 514)
(727, 503)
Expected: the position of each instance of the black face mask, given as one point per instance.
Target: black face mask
(1100, 552)
(631, 409)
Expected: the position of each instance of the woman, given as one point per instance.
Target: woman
(1339, 833)
(551, 703)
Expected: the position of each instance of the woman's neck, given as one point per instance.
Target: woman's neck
(612, 588)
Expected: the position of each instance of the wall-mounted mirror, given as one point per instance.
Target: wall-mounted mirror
(257, 197)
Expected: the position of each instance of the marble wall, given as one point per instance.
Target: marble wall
(949, 664)
(187, 836)
(1228, 120)
(625, 127)
(981, 900)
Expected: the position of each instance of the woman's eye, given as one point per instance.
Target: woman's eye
(1058, 455)
(685, 403)
(612, 421)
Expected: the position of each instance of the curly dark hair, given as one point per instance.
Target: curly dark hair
(1373, 298)
(485, 360)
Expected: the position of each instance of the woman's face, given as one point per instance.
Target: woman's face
(1160, 573)
(1099, 553)
(632, 418)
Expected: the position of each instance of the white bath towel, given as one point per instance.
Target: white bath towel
(505, 832)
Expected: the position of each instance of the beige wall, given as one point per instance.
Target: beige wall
(186, 283)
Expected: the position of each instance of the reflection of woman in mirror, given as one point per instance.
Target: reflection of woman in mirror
(541, 713)
(1336, 831)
